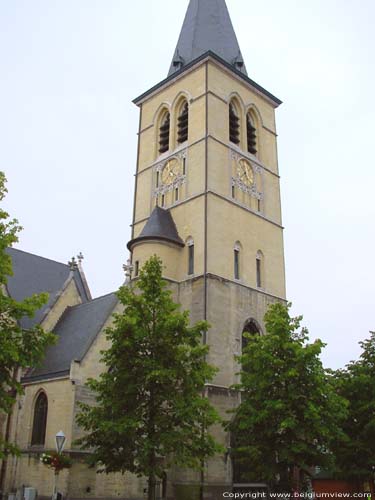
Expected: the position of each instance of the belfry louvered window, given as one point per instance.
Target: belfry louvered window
(251, 136)
(164, 133)
(40, 420)
(234, 125)
(183, 124)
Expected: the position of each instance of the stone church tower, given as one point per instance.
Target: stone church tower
(207, 195)
(207, 201)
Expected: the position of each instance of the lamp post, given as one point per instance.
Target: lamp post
(60, 442)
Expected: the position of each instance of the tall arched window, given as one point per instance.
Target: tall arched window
(251, 328)
(251, 134)
(259, 270)
(236, 252)
(38, 436)
(234, 124)
(164, 133)
(190, 246)
(183, 124)
(241, 473)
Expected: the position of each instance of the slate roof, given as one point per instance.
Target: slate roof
(207, 27)
(34, 274)
(160, 226)
(76, 330)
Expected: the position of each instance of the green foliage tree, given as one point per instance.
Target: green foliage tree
(19, 347)
(355, 452)
(151, 412)
(289, 412)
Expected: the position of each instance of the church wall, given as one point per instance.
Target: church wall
(271, 205)
(221, 168)
(230, 305)
(144, 196)
(171, 256)
(189, 219)
(195, 169)
(60, 402)
(69, 297)
(193, 186)
(190, 223)
(27, 468)
(230, 224)
(32, 473)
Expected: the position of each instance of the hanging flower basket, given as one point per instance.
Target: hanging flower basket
(56, 461)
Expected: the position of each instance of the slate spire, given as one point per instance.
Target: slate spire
(207, 27)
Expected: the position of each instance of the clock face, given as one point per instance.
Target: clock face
(245, 172)
(170, 171)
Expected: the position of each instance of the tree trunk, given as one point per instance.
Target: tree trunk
(6, 437)
(372, 488)
(201, 486)
(151, 487)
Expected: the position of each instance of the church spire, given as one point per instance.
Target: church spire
(207, 27)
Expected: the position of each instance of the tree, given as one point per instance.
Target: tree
(289, 412)
(19, 347)
(355, 452)
(150, 410)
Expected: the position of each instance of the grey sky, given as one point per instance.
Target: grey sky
(69, 71)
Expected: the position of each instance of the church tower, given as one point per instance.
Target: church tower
(207, 199)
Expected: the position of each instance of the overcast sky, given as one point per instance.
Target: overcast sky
(69, 71)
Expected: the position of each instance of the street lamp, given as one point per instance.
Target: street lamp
(60, 441)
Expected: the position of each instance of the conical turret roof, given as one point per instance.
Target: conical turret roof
(207, 27)
(160, 226)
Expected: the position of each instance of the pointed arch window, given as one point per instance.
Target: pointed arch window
(251, 328)
(251, 134)
(234, 124)
(190, 245)
(259, 263)
(236, 252)
(38, 436)
(164, 133)
(183, 124)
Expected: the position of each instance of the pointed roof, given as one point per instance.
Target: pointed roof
(207, 27)
(33, 274)
(76, 330)
(160, 226)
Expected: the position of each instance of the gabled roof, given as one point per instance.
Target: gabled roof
(33, 274)
(207, 27)
(76, 330)
(160, 226)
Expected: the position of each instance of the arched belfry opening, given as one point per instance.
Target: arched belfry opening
(164, 130)
(234, 123)
(183, 123)
(251, 132)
